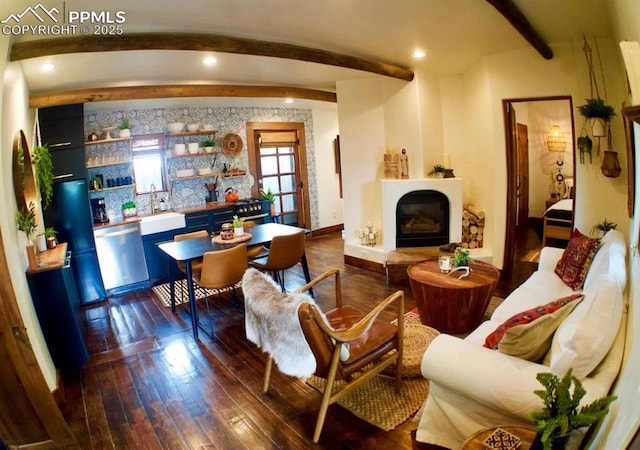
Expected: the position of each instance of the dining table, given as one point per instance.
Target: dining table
(189, 250)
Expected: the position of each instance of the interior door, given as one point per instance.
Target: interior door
(277, 158)
(523, 174)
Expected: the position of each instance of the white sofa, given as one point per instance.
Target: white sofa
(473, 387)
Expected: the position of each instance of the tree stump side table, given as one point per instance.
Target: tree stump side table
(450, 304)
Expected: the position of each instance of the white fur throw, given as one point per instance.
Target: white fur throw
(271, 322)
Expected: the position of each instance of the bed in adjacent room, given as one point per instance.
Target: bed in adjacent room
(557, 221)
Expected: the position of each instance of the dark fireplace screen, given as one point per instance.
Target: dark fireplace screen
(422, 219)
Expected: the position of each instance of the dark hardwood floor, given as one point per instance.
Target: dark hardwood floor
(148, 384)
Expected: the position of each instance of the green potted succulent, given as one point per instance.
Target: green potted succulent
(124, 129)
(561, 415)
(44, 173)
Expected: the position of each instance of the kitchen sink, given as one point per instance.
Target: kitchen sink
(157, 223)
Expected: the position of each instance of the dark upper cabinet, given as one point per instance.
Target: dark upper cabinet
(63, 133)
(62, 129)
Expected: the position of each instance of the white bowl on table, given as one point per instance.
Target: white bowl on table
(205, 171)
(175, 127)
(207, 127)
(193, 127)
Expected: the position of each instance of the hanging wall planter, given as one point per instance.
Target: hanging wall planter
(610, 165)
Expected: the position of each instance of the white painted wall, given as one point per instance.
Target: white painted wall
(15, 115)
(374, 114)
(522, 74)
(618, 427)
(325, 130)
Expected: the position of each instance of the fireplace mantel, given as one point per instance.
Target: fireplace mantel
(393, 190)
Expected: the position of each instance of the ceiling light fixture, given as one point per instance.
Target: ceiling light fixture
(288, 100)
(48, 67)
(210, 61)
(417, 54)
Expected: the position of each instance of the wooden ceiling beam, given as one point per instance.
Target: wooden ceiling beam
(168, 91)
(515, 17)
(200, 42)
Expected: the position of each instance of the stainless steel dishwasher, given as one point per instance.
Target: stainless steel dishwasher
(121, 255)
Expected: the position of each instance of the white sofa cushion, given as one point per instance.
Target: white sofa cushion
(542, 287)
(609, 259)
(585, 336)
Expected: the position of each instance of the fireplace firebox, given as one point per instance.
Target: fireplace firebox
(422, 219)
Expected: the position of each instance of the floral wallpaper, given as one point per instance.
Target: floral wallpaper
(188, 192)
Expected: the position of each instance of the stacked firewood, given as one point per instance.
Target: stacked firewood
(472, 227)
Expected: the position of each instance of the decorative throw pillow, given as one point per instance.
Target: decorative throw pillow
(585, 337)
(532, 340)
(528, 316)
(574, 264)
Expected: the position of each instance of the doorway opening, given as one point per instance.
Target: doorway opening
(539, 175)
(277, 157)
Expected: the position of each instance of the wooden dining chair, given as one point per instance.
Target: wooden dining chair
(196, 265)
(255, 251)
(221, 271)
(347, 344)
(284, 252)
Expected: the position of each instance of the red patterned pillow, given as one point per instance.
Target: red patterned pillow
(528, 316)
(576, 259)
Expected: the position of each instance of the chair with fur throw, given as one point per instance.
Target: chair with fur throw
(341, 344)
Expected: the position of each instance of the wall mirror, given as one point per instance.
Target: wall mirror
(24, 184)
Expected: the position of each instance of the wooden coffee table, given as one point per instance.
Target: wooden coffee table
(448, 303)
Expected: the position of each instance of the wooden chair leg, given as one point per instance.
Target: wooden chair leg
(327, 398)
(267, 374)
(324, 406)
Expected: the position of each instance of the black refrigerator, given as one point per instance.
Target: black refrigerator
(70, 214)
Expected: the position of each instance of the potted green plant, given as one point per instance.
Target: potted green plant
(124, 129)
(597, 114)
(129, 209)
(461, 257)
(271, 198)
(44, 173)
(585, 144)
(560, 414)
(50, 234)
(238, 226)
(208, 145)
(26, 222)
(600, 229)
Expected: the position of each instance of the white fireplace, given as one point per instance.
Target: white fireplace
(393, 190)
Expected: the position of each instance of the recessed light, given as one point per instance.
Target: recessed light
(47, 67)
(417, 54)
(210, 60)
(288, 100)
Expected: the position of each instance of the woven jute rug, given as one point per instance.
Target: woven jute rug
(377, 401)
(164, 293)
